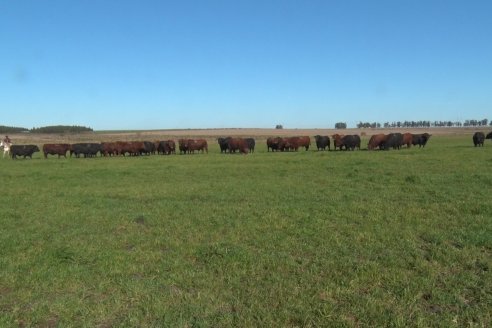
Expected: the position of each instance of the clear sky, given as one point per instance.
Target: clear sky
(243, 63)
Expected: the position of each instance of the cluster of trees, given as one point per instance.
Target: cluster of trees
(46, 129)
(417, 124)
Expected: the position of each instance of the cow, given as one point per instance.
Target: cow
(198, 145)
(109, 149)
(223, 144)
(166, 147)
(149, 148)
(376, 141)
(183, 146)
(420, 139)
(489, 136)
(56, 149)
(304, 142)
(239, 144)
(478, 139)
(273, 143)
(407, 139)
(393, 140)
(251, 144)
(349, 141)
(23, 150)
(86, 149)
(322, 142)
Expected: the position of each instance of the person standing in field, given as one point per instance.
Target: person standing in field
(7, 140)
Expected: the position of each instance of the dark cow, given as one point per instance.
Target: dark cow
(56, 149)
(489, 136)
(273, 143)
(183, 146)
(166, 147)
(149, 148)
(86, 149)
(251, 144)
(322, 142)
(349, 141)
(478, 139)
(420, 139)
(23, 150)
(238, 144)
(223, 144)
(376, 141)
(393, 140)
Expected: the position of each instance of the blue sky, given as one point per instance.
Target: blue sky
(213, 64)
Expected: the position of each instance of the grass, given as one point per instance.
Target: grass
(396, 238)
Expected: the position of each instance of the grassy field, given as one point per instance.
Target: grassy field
(345, 239)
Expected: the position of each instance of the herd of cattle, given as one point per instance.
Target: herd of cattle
(230, 145)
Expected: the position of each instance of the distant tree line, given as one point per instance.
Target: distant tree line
(11, 129)
(46, 129)
(418, 124)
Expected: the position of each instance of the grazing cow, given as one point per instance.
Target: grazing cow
(407, 139)
(273, 143)
(239, 144)
(322, 142)
(223, 144)
(251, 144)
(376, 141)
(478, 139)
(56, 149)
(86, 149)
(420, 139)
(23, 150)
(393, 140)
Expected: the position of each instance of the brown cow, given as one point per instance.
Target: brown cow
(56, 149)
(133, 148)
(407, 139)
(238, 144)
(304, 142)
(198, 145)
(337, 141)
(376, 141)
(109, 148)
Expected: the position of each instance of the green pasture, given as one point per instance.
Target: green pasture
(302, 239)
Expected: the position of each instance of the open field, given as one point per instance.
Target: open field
(383, 238)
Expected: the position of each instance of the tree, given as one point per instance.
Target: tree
(340, 125)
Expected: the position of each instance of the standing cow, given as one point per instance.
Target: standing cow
(478, 139)
(23, 150)
(322, 142)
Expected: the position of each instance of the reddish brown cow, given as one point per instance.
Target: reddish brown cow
(56, 149)
(376, 141)
(109, 148)
(198, 145)
(238, 144)
(304, 142)
(133, 148)
(337, 140)
(407, 139)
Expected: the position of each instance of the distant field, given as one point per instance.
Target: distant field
(344, 239)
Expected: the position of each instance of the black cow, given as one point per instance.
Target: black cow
(322, 142)
(393, 140)
(149, 148)
(478, 139)
(223, 144)
(420, 139)
(489, 136)
(251, 144)
(86, 149)
(23, 150)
